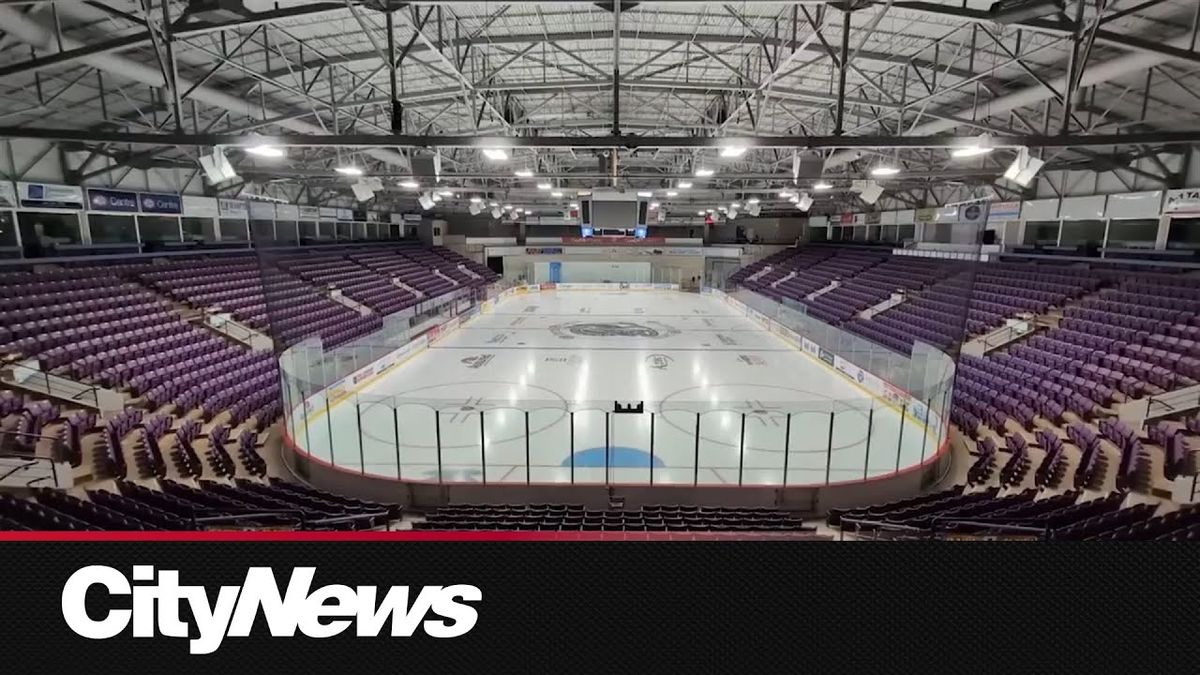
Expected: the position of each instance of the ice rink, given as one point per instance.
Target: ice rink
(535, 378)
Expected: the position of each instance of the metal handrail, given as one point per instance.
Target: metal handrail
(34, 458)
(938, 524)
(333, 520)
(1044, 531)
(235, 517)
(78, 397)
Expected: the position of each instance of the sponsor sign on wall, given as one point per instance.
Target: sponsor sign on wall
(310, 213)
(825, 355)
(262, 210)
(1001, 211)
(112, 200)
(200, 207)
(232, 208)
(972, 213)
(156, 202)
(43, 195)
(1181, 202)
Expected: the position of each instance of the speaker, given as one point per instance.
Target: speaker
(989, 237)
(362, 191)
(807, 165)
(585, 212)
(871, 192)
(643, 213)
(217, 168)
(426, 201)
(425, 167)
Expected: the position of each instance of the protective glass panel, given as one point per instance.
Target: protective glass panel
(591, 440)
(675, 447)
(808, 449)
(629, 458)
(508, 445)
(463, 441)
(551, 450)
(764, 445)
(720, 447)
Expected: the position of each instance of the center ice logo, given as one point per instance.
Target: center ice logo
(650, 329)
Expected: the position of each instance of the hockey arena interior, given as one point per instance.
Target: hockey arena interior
(608, 270)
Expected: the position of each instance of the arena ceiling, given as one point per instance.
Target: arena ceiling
(663, 86)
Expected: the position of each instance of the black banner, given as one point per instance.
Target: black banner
(611, 607)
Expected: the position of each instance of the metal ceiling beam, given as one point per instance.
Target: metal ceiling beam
(185, 30)
(179, 31)
(683, 38)
(623, 141)
(1054, 27)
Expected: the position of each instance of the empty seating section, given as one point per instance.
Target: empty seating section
(196, 402)
(1040, 410)
(171, 505)
(1068, 516)
(574, 517)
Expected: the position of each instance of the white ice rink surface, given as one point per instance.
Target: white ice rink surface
(564, 357)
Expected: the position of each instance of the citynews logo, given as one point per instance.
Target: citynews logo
(321, 613)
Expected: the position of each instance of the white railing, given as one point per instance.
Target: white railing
(28, 376)
(225, 324)
(1138, 412)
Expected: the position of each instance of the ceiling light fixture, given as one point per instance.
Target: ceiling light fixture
(653, 205)
(672, 193)
(446, 193)
(264, 150)
(786, 194)
(884, 170)
(410, 184)
(704, 172)
(969, 151)
(684, 184)
(544, 186)
(523, 173)
(752, 200)
(821, 185)
(495, 154)
(645, 194)
(476, 200)
(349, 170)
(556, 193)
(735, 150)
(701, 213)
(573, 205)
